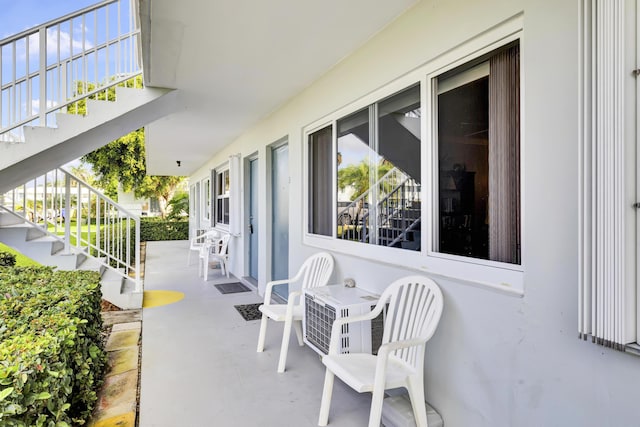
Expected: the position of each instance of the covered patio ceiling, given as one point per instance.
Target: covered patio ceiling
(235, 62)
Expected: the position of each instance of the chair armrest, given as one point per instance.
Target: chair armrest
(269, 289)
(270, 285)
(387, 348)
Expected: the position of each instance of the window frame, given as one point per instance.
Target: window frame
(498, 276)
(219, 174)
(205, 200)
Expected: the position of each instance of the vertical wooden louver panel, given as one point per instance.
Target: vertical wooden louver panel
(603, 288)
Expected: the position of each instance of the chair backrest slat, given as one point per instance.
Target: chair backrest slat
(317, 270)
(415, 307)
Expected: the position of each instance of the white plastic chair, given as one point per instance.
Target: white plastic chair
(196, 242)
(216, 250)
(413, 313)
(315, 271)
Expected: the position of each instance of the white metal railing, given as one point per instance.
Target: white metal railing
(47, 68)
(85, 219)
(394, 191)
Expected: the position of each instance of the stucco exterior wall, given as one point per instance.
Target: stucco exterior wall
(496, 359)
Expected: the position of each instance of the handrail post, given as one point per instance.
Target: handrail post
(137, 255)
(42, 103)
(67, 213)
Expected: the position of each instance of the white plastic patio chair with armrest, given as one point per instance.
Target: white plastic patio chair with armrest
(216, 250)
(413, 313)
(196, 242)
(315, 271)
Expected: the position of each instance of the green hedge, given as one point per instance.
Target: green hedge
(51, 355)
(7, 259)
(153, 229)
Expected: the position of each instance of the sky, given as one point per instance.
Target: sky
(19, 15)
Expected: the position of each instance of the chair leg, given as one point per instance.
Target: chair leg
(226, 268)
(204, 262)
(298, 327)
(263, 333)
(416, 394)
(325, 405)
(284, 348)
(375, 414)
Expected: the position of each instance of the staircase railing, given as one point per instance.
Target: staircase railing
(47, 68)
(392, 210)
(86, 220)
(359, 219)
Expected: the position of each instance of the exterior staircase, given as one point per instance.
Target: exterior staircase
(87, 57)
(46, 249)
(58, 220)
(45, 148)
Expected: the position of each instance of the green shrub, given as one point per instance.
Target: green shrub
(153, 229)
(51, 356)
(7, 259)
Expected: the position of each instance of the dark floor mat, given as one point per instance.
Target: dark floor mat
(232, 288)
(249, 311)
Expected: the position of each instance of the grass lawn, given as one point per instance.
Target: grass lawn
(21, 260)
(84, 230)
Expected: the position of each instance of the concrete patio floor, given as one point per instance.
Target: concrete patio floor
(200, 366)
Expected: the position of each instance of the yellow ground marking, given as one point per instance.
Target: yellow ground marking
(158, 298)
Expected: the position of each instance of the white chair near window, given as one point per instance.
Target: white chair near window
(196, 242)
(412, 315)
(315, 271)
(215, 250)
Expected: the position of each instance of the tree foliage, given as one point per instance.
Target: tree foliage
(179, 205)
(356, 176)
(122, 162)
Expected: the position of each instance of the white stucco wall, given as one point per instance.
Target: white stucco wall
(496, 360)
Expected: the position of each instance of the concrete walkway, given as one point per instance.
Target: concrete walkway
(118, 398)
(200, 367)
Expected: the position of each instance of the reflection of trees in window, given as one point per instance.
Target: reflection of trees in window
(378, 174)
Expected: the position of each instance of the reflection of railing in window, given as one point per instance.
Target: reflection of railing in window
(397, 214)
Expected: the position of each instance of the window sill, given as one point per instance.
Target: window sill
(506, 279)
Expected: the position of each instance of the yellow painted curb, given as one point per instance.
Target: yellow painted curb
(159, 298)
(124, 420)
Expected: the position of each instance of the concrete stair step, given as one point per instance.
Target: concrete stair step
(47, 148)
(9, 218)
(66, 120)
(94, 264)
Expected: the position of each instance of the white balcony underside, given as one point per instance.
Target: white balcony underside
(75, 136)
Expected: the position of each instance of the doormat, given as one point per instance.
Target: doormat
(249, 311)
(232, 288)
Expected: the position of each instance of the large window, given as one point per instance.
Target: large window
(478, 145)
(378, 173)
(222, 197)
(425, 173)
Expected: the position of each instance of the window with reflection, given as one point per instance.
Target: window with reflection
(378, 173)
